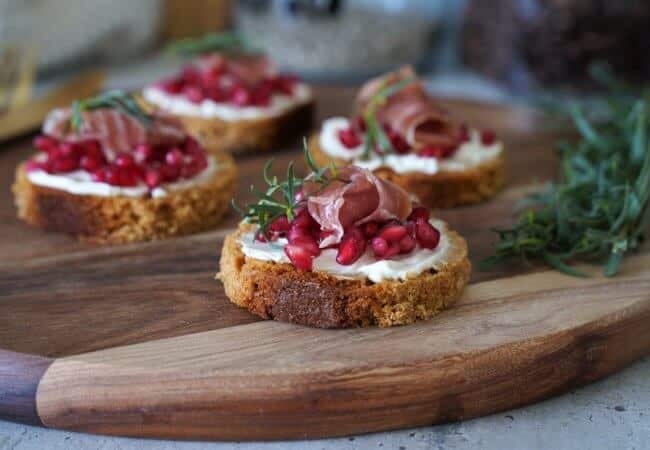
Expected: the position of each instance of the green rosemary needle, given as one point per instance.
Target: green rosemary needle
(119, 100)
(226, 42)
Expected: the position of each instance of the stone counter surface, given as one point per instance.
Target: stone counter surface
(613, 413)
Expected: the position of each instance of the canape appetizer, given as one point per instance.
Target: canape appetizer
(403, 136)
(232, 98)
(107, 171)
(342, 248)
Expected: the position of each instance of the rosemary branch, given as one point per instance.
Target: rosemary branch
(119, 100)
(226, 42)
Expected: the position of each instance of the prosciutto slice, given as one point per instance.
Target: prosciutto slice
(356, 197)
(250, 69)
(410, 112)
(116, 131)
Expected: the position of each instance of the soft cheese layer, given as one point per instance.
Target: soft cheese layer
(398, 268)
(79, 182)
(209, 109)
(470, 154)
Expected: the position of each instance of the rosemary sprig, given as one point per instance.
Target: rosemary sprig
(375, 137)
(599, 210)
(120, 100)
(226, 42)
(279, 199)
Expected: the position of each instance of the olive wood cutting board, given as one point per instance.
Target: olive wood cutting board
(140, 340)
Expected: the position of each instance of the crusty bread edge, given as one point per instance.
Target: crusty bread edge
(282, 292)
(121, 219)
(249, 135)
(444, 189)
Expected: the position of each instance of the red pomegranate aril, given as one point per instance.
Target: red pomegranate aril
(370, 229)
(98, 176)
(170, 173)
(426, 235)
(351, 247)
(112, 176)
(419, 212)
(399, 144)
(281, 224)
(393, 249)
(349, 138)
(261, 96)
(45, 143)
(407, 244)
(393, 232)
(431, 152)
(65, 165)
(297, 233)
(299, 256)
(128, 177)
(171, 86)
(89, 163)
(124, 160)
(152, 178)
(68, 150)
(192, 146)
(193, 94)
(284, 84)
(361, 124)
(488, 137)
(303, 220)
(309, 244)
(190, 170)
(210, 77)
(32, 165)
(324, 234)
(240, 96)
(191, 75)
(143, 153)
(379, 246)
(174, 157)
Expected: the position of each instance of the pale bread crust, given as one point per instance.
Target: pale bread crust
(251, 135)
(282, 292)
(123, 219)
(444, 189)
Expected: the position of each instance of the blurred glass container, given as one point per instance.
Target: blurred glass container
(340, 38)
(65, 31)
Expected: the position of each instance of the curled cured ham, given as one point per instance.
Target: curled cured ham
(410, 112)
(116, 131)
(355, 197)
(250, 69)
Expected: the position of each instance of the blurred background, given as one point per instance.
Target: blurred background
(495, 50)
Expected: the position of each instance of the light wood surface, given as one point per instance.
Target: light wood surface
(140, 340)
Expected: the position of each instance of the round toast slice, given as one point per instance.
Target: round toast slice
(279, 291)
(444, 189)
(120, 219)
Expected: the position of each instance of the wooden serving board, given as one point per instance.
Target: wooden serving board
(140, 340)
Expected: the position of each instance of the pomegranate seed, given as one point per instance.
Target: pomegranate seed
(216, 94)
(303, 220)
(299, 256)
(309, 244)
(124, 160)
(488, 137)
(262, 96)
(240, 96)
(192, 147)
(170, 173)
(393, 232)
(174, 157)
(143, 153)
(426, 235)
(65, 165)
(45, 143)
(211, 76)
(361, 124)
(68, 150)
(370, 229)
(171, 86)
(284, 84)
(190, 170)
(419, 212)
(379, 246)
(89, 163)
(349, 138)
(128, 177)
(112, 176)
(431, 152)
(98, 176)
(32, 165)
(193, 94)
(352, 246)
(399, 144)
(281, 225)
(407, 244)
(191, 75)
(393, 249)
(152, 178)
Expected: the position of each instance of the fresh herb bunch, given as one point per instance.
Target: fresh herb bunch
(280, 197)
(375, 137)
(119, 100)
(599, 210)
(227, 42)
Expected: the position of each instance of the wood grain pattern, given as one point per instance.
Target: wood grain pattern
(507, 343)
(147, 344)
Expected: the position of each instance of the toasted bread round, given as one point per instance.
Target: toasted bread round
(280, 291)
(444, 189)
(121, 219)
(249, 135)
